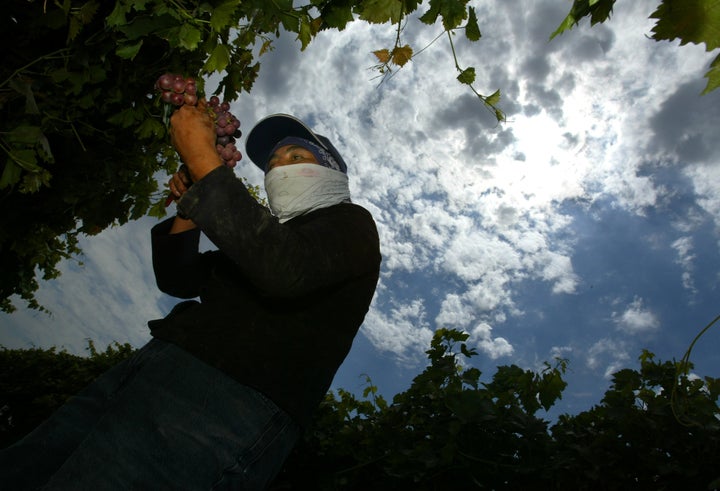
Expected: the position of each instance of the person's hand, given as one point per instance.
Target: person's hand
(192, 132)
(180, 182)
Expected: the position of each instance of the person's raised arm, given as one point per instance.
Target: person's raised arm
(179, 183)
(193, 135)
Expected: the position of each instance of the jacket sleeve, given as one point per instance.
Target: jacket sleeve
(176, 260)
(298, 257)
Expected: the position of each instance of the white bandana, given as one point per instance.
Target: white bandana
(296, 189)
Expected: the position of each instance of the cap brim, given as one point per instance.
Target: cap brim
(269, 131)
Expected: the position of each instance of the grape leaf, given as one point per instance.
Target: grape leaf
(151, 127)
(383, 55)
(222, 15)
(401, 55)
(493, 98)
(27, 159)
(305, 34)
(11, 174)
(467, 76)
(472, 30)
(452, 13)
(381, 11)
(33, 181)
(431, 15)
(189, 36)
(128, 51)
(598, 10)
(219, 59)
(141, 27)
(337, 16)
(117, 16)
(690, 21)
(713, 76)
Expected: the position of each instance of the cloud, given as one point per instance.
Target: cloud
(685, 259)
(636, 319)
(401, 329)
(480, 222)
(608, 355)
(493, 347)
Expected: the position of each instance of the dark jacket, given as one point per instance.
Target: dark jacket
(279, 304)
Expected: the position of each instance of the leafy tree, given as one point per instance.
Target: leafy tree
(35, 382)
(82, 140)
(656, 428)
(447, 431)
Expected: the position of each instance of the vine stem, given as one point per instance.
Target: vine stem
(682, 367)
(19, 70)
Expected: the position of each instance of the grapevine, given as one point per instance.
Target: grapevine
(176, 91)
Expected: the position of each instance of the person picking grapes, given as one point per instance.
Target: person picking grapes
(233, 374)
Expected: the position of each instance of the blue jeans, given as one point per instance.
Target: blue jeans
(161, 420)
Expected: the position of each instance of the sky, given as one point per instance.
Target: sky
(586, 227)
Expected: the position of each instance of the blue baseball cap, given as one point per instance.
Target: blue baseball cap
(270, 131)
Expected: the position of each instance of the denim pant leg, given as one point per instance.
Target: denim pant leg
(180, 424)
(30, 462)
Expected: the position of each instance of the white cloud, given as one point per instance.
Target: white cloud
(402, 330)
(495, 348)
(684, 247)
(608, 355)
(469, 209)
(636, 318)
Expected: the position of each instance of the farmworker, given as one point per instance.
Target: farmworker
(220, 395)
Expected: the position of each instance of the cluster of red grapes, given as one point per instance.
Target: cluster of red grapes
(178, 90)
(227, 127)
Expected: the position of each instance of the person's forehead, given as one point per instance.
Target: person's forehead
(290, 147)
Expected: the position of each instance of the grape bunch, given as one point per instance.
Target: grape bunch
(227, 127)
(177, 90)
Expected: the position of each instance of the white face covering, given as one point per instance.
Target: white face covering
(296, 189)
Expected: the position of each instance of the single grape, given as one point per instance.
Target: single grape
(190, 99)
(223, 140)
(179, 86)
(225, 106)
(226, 154)
(165, 81)
(166, 96)
(177, 99)
(190, 88)
(214, 101)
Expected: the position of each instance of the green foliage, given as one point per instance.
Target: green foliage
(447, 431)
(451, 430)
(35, 382)
(689, 21)
(634, 436)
